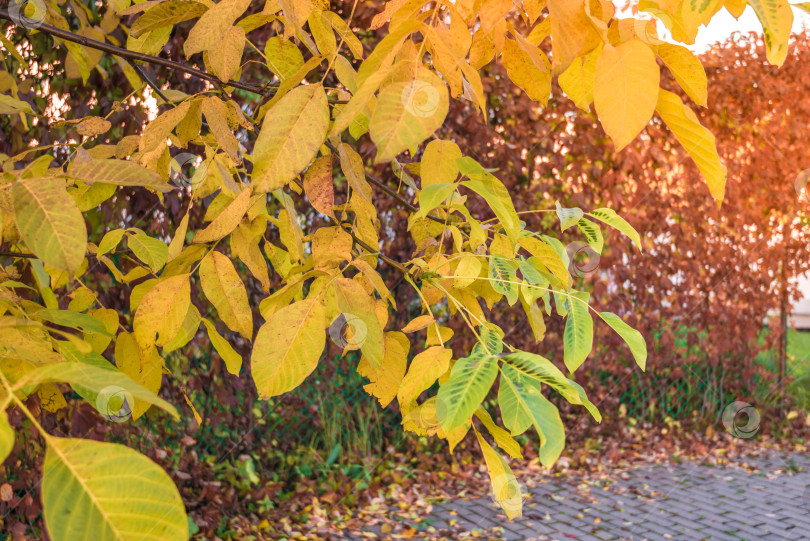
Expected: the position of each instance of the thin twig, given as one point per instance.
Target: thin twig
(132, 55)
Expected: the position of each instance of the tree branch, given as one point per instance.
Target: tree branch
(132, 55)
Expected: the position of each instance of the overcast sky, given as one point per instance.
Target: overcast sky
(723, 25)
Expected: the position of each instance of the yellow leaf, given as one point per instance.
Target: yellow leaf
(687, 70)
(407, 113)
(330, 247)
(162, 311)
(288, 347)
(93, 125)
(6, 436)
(625, 90)
(117, 172)
(698, 141)
(577, 81)
(546, 255)
(570, 30)
(167, 13)
(227, 220)
(528, 68)
(79, 501)
(776, 17)
(386, 378)
(358, 305)
(142, 367)
(216, 114)
(318, 186)
(245, 246)
(425, 369)
(293, 131)
(233, 361)
(468, 269)
(50, 397)
(225, 59)
(418, 323)
(505, 488)
(284, 58)
(49, 222)
(212, 29)
(222, 286)
(438, 165)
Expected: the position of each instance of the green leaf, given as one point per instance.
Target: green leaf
(523, 405)
(470, 380)
(431, 196)
(94, 380)
(74, 320)
(117, 172)
(288, 347)
(292, 132)
(50, 222)
(153, 252)
(548, 257)
(593, 234)
(407, 113)
(631, 336)
(578, 335)
(503, 279)
(618, 223)
(541, 369)
(96, 490)
(568, 217)
(698, 141)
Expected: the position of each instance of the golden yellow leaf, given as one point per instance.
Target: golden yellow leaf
(698, 141)
(528, 68)
(331, 246)
(142, 367)
(288, 347)
(438, 165)
(386, 378)
(418, 323)
(222, 286)
(625, 90)
(227, 221)
(425, 369)
(162, 311)
(233, 361)
(687, 70)
(355, 303)
(318, 186)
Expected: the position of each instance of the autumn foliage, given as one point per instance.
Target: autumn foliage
(291, 169)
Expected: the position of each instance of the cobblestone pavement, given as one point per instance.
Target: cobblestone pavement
(654, 502)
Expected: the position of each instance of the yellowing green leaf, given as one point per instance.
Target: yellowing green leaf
(438, 165)
(505, 488)
(386, 378)
(222, 286)
(49, 222)
(153, 252)
(625, 90)
(162, 311)
(284, 58)
(167, 13)
(425, 369)
(12, 106)
(117, 172)
(233, 361)
(212, 29)
(578, 335)
(546, 255)
(631, 336)
(470, 381)
(288, 347)
(293, 131)
(355, 303)
(6, 436)
(615, 221)
(407, 113)
(776, 17)
(698, 141)
(96, 490)
(227, 220)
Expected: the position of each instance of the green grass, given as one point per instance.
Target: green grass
(799, 367)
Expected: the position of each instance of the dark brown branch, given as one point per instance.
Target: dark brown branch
(132, 55)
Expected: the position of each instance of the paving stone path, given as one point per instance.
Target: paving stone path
(655, 502)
